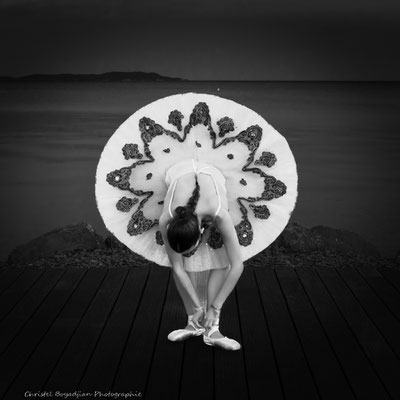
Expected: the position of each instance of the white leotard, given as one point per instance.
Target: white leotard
(190, 166)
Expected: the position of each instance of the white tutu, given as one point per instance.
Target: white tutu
(259, 167)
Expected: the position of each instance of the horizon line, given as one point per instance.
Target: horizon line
(163, 78)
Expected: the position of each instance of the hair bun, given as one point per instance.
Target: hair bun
(182, 212)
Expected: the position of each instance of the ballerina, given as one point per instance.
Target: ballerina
(183, 229)
(198, 184)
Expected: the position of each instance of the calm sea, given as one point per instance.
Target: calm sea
(345, 138)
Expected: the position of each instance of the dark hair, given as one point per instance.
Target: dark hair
(183, 230)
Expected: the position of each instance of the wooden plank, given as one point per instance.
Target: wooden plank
(387, 324)
(262, 371)
(166, 370)
(136, 361)
(14, 293)
(294, 371)
(40, 364)
(105, 359)
(327, 372)
(71, 366)
(230, 373)
(197, 368)
(384, 361)
(387, 293)
(392, 276)
(360, 373)
(26, 341)
(8, 276)
(15, 321)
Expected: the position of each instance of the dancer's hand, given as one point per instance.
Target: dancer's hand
(198, 317)
(211, 318)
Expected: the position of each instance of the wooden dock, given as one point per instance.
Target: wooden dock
(306, 334)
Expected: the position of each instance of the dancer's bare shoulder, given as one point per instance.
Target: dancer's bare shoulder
(164, 219)
(225, 225)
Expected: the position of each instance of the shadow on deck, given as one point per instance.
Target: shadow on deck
(305, 334)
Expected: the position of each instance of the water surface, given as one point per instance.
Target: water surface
(345, 138)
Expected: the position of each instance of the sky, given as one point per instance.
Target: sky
(204, 40)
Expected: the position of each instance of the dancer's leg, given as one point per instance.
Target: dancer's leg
(215, 281)
(189, 306)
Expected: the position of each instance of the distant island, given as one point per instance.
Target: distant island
(136, 76)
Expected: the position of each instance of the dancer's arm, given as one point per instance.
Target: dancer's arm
(177, 265)
(232, 247)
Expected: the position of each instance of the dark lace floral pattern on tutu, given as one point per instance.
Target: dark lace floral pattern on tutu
(139, 223)
(273, 188)
(200, 115)
(268, 159)
(226, 125)
(260, 212)
(159, 239)
(215, 240)
(149, 129)
(125, 204)
(250, 137)
(244, 232)
(131, 150)
(120, 178)
(175, 118)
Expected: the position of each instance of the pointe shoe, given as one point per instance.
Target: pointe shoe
(183, 334)
(224, 342)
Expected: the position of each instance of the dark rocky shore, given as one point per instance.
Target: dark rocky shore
(79, 246)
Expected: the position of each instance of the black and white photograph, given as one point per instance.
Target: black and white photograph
(200, 199)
